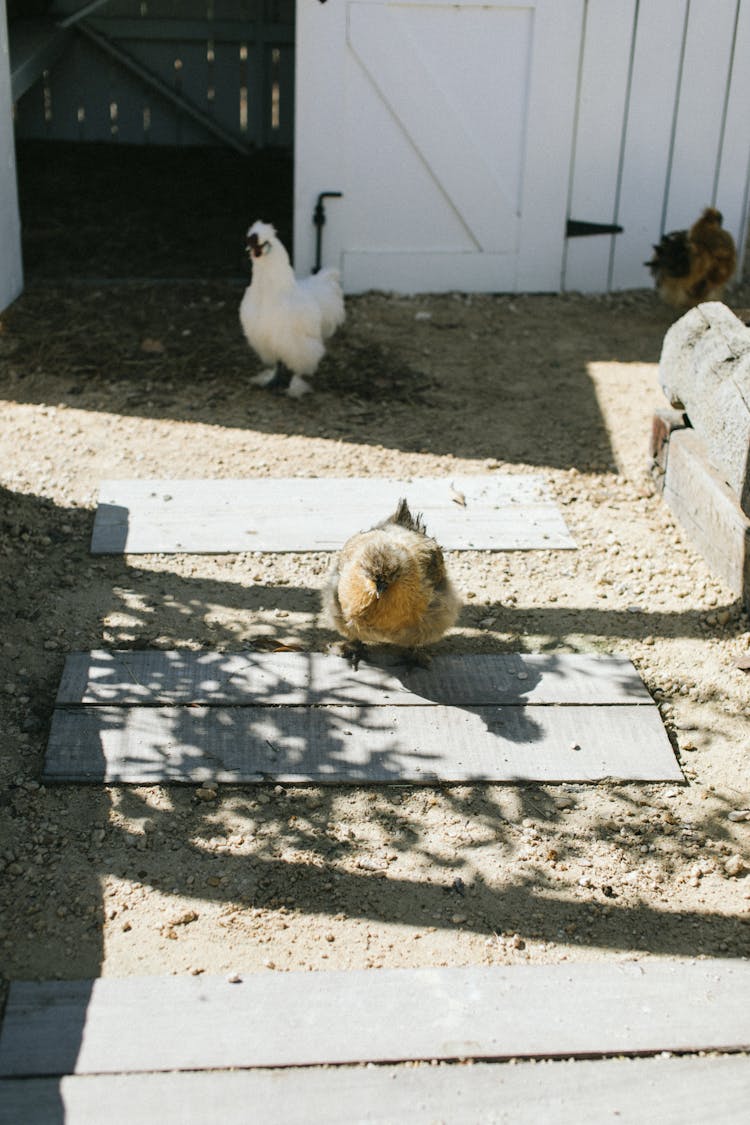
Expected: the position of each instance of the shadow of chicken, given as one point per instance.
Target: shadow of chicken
(692, 266)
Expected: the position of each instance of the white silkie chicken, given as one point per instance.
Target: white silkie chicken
(286, 320)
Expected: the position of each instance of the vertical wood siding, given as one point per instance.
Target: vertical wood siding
(233, 60)
(662, 129)
(661, 122)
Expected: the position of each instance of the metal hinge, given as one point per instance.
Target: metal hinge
(575, 228)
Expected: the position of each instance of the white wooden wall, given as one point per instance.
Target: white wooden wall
(663, 129)
(654, 109)
(658, 126)
(11, 273)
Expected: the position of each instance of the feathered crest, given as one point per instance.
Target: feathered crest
(403, 517)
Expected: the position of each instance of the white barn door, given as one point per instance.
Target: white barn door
(11, 272)
(448, 126)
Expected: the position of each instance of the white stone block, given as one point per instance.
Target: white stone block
(705, 370)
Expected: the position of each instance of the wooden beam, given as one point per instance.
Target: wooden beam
(154, 82)
(35, 46)
(663, 424)
(708, 511)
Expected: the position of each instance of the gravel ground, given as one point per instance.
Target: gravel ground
(135, 380)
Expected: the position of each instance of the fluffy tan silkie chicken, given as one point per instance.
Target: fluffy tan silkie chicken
(389, 586)
(287, 320)
(691, 266)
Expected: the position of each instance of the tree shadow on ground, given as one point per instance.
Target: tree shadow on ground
(65, 841)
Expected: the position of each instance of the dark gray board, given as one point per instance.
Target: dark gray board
(149, 745)
(146, 677)
(296, 717)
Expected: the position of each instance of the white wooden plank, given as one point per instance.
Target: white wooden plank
(678, 1091)
(425, 271)
(700, 112)
(501, 512)
(549, 142)
(270, 678)
(153, 745)
(708, 510)
(648, 133)
(733, 181)
(298, 1018)
(607, 44)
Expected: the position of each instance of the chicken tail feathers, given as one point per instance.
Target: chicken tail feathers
(671, 254)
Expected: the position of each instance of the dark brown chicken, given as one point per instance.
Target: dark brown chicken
(691, 266)
(389, 586)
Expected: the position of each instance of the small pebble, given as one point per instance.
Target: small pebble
(458, 919)
(184, 919)
(368, 864)
(234, 978)
(734, 865)
(206, 794)
(564, 802)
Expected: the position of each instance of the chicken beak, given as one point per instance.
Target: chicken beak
(380, 587)
(256, 248)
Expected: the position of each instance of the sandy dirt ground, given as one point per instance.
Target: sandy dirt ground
(114, 381)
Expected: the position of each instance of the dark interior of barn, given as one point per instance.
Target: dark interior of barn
(148, 140)
(103, 210)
